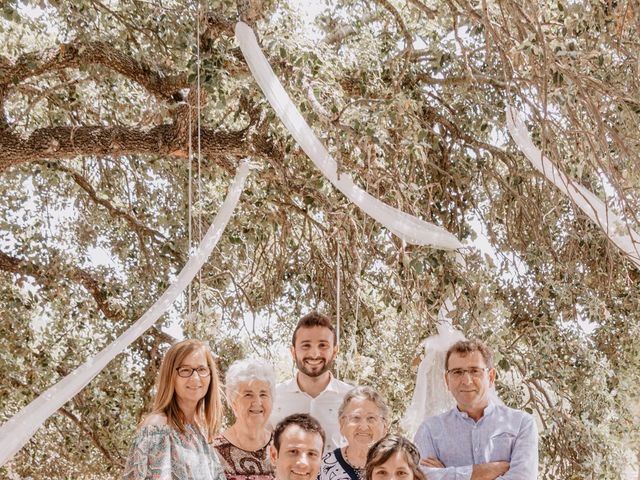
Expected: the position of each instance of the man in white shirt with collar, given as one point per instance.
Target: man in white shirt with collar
(313, 389)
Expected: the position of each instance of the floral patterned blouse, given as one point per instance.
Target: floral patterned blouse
(242, 464)
(160, 452)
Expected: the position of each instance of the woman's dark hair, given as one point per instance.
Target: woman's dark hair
(386, 447)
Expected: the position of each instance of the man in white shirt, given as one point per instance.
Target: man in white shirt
(313, 389)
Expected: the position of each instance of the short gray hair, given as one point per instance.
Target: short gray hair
(249, 370)
(365, 393)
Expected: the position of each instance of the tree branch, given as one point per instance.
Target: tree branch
(429, 12)
(345, 31)
(461, 80)
(138, 227)
(70, 55)
(15, 265)
(55, 143)
(78, 423)
(402, 26)
(28, 268)
(92, 435)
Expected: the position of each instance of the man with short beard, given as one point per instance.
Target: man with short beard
(313, 389)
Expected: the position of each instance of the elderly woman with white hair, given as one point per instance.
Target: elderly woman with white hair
(364, 419)
(243, 447)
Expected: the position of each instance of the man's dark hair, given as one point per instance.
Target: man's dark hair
(465, 347)
(303, 420)
(314, 319)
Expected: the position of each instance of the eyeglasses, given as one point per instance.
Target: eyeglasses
(474, 372)
(186, 372)
(369, 419)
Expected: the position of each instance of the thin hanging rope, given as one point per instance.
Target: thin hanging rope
(190, 227)
(198, 125)
(355, 326)
(337, 301)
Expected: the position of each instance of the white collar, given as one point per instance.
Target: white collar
(292, 384)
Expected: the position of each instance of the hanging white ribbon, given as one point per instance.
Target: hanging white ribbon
(22, 426)
(431, 395)
(613, 226)
(409, 228)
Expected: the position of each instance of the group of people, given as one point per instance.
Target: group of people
(315, 426)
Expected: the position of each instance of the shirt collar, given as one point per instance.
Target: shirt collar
(333, 384)
(292, 385)
(489, 409)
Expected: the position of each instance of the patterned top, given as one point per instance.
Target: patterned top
(335, 467)
(160, 452)
(242, 464)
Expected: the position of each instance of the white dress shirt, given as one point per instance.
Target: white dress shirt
(324, 408)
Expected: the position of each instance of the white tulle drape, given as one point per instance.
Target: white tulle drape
(430, 395)
(23, 425)
(408, 227)
(611, 224)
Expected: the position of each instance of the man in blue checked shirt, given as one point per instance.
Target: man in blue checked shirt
(478, 439)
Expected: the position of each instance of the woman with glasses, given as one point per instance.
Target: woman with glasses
(243, 447)
(172, 442)
(364, 419)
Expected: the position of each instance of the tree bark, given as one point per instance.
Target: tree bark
(56, 143)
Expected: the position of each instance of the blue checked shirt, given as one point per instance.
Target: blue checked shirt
(459, 442)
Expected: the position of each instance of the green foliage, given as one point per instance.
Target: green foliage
(88, 243)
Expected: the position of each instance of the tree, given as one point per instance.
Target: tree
(99, 101)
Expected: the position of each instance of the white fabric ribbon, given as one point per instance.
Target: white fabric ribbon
(613, 226)
(431, 395)
(408, 227)
(23, 425)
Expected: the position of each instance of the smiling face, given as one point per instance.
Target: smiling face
(299, 456)
(314, 350)
(362, 423)
(192, 389)
(395, 468)
(252, 403)
(471, 394)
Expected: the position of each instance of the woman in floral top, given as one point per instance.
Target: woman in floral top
(172, 443)
(243, 447)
